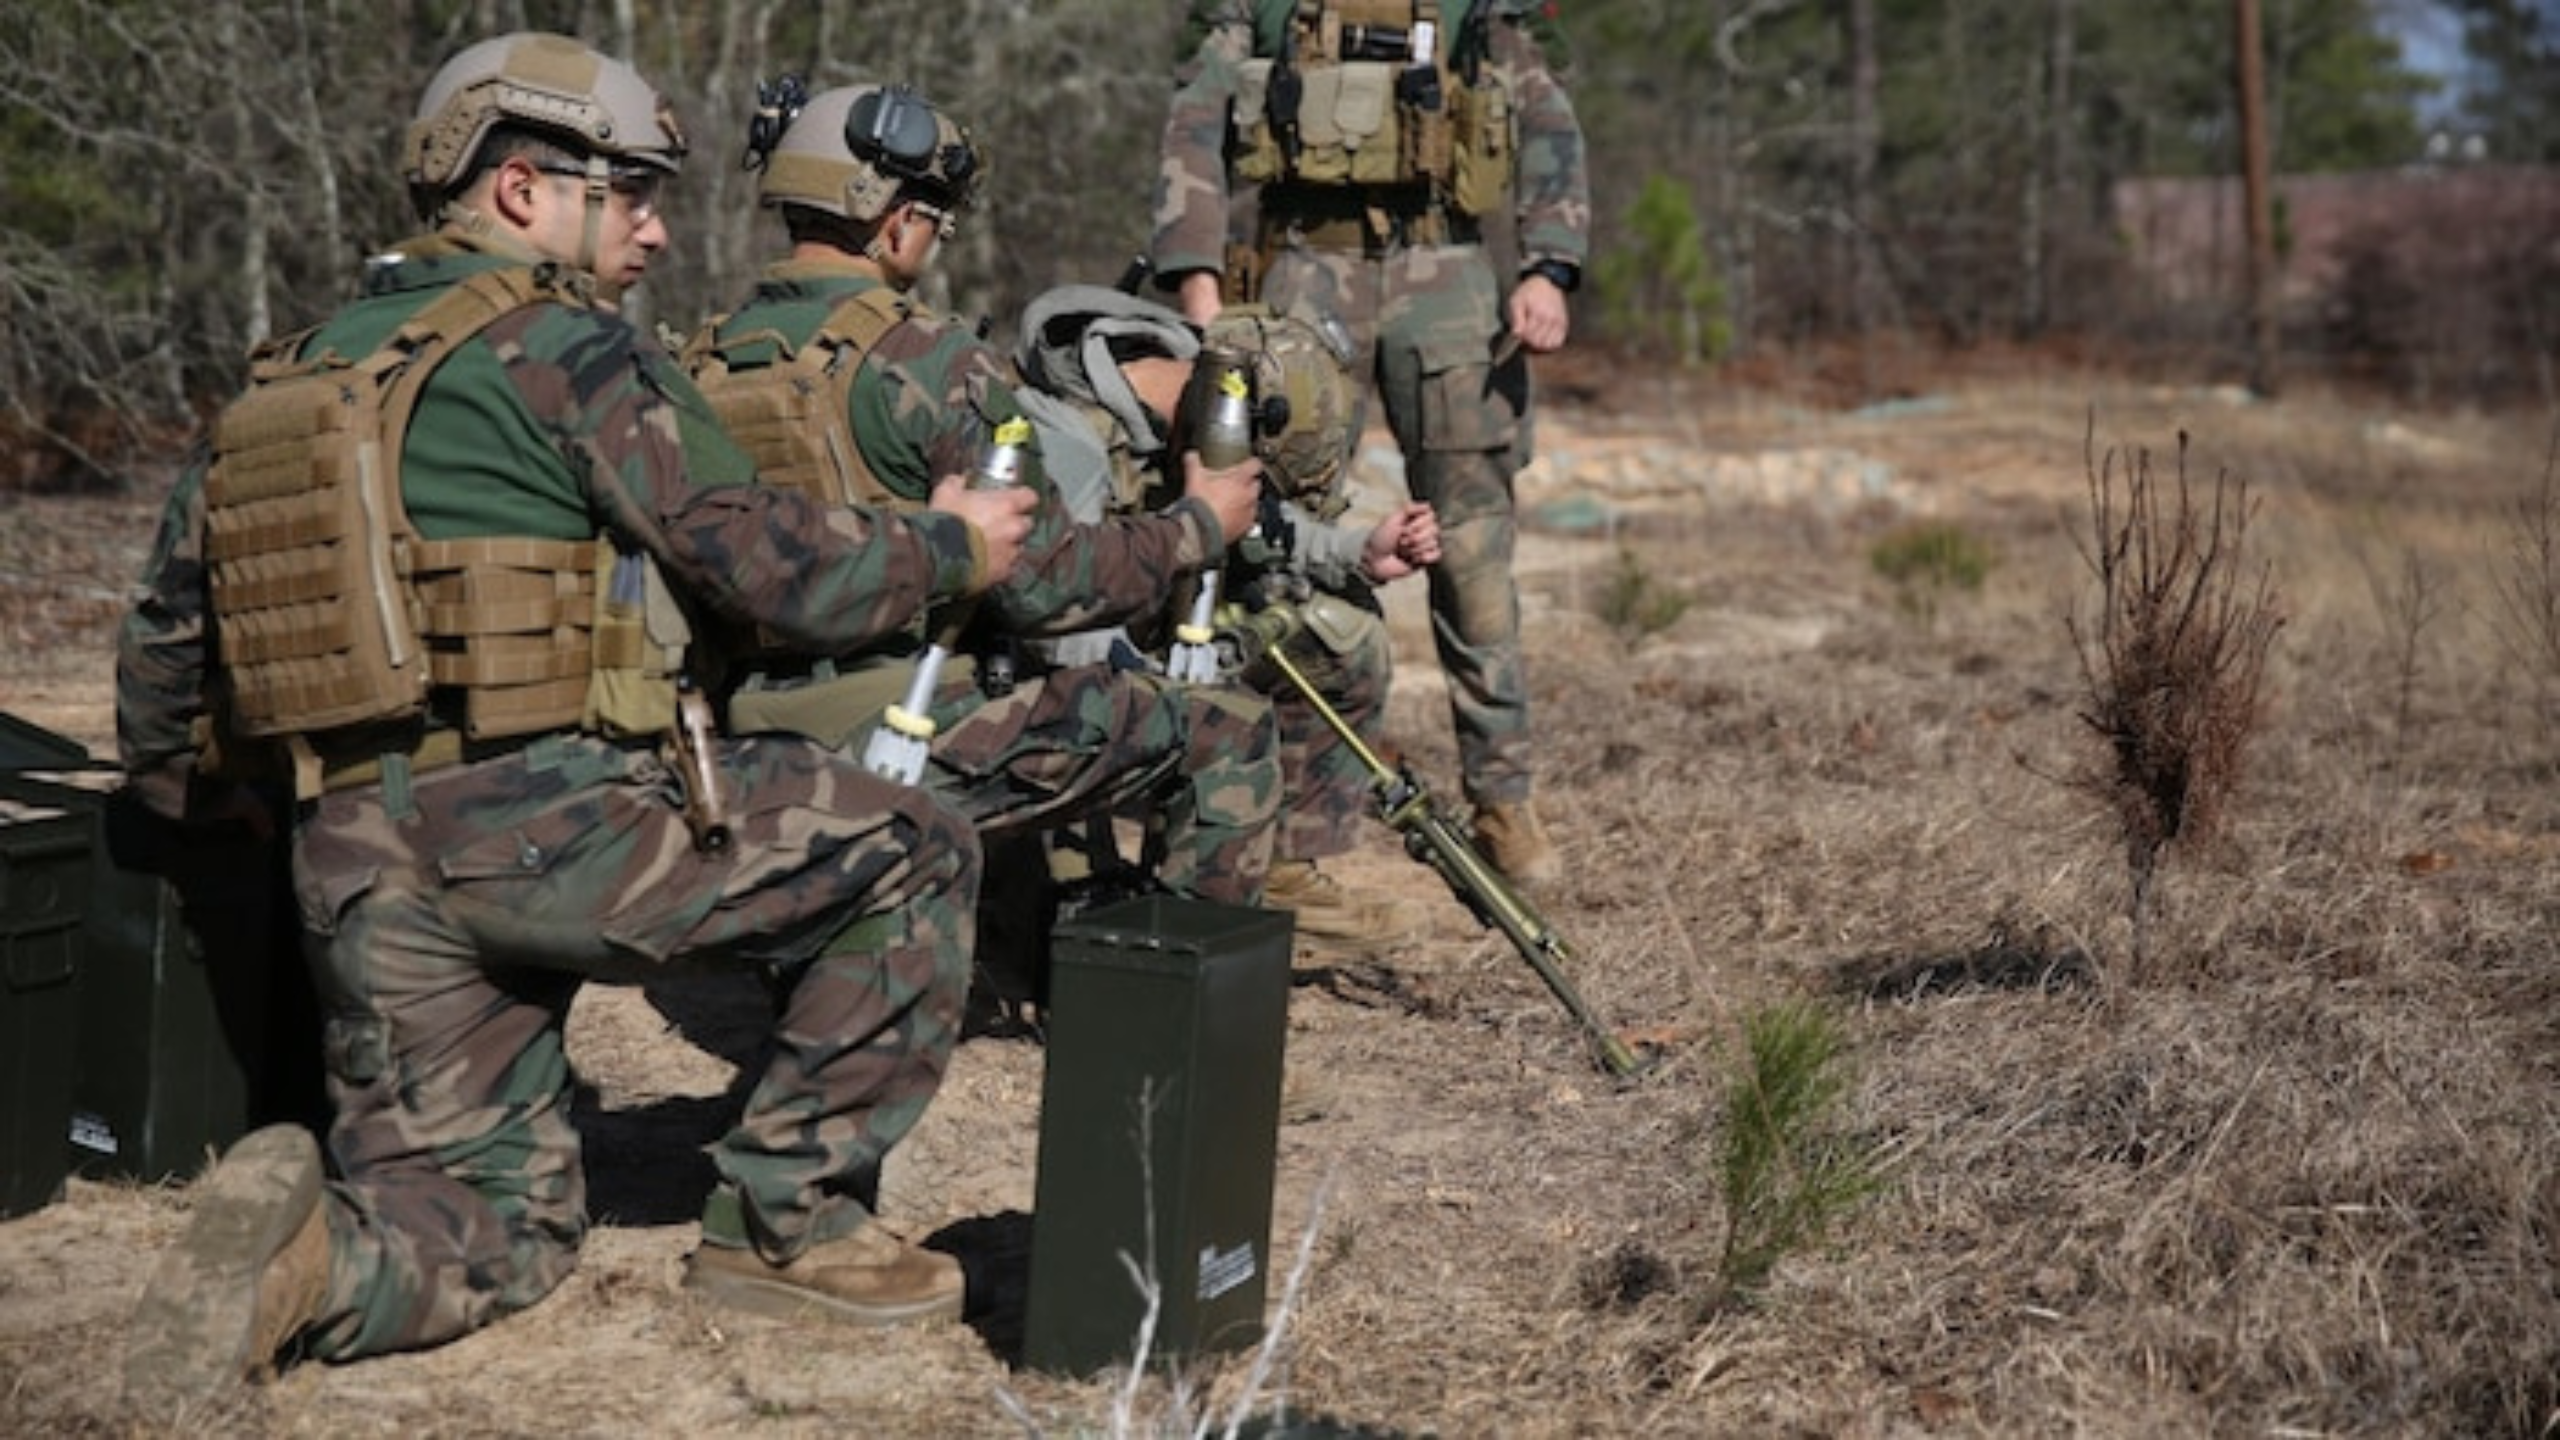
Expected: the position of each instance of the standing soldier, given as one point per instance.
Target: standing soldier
(1106, 373)
(839, 381)
(444, 560)
(1381, 134)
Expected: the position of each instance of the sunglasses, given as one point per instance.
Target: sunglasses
(639, 190)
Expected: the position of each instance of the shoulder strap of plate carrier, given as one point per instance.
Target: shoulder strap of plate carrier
(789, 408)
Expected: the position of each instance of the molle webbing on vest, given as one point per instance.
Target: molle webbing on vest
(311, 546)
(1347, 102)
(790, 409)
(508, 622)
(313, 632)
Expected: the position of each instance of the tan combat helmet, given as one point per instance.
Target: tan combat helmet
(1304, 362)
(594, 104)
(858, 151)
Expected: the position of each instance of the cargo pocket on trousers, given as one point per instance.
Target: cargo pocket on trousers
(1037, 738)
(1468, 405)
(579, 885)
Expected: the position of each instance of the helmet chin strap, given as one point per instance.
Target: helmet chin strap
(876, 250)
(591, 228)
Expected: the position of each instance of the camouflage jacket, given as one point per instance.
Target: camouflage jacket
(923, 403)
(560, 421)
(1551, 190)
(1106, 450)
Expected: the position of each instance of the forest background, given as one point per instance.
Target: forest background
(1770, 177)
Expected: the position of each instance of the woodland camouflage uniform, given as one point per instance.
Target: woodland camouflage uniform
(455, 913)
(1111, 455)
(455, 904)
(1410, 275)
(1059, 743)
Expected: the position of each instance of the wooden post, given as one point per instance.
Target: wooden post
(2255, 187)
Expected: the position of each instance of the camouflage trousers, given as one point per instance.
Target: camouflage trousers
(1343, 652)
(1084, 740)
(1200, 762)
(1429, 318)
(453, 916)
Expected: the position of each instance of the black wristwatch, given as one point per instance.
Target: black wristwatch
(1563, 274)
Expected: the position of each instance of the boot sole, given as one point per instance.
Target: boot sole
(197, 1321)
(776, 1300)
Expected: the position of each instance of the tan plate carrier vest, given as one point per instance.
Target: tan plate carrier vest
(793, 415)
(1354, 128)
(334, 612)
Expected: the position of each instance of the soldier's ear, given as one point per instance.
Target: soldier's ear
(516, 190)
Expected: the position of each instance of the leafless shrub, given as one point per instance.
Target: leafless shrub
(2411, 597)
(2527, 581)
(2172, 661)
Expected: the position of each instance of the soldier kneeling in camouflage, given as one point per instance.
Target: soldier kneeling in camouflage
(1105, 373)
(842, 383)
(449, 583)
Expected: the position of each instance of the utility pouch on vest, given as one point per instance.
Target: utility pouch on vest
(1423, 122)
(1367, 96)
(307, 537)
(640, 640)
(1482, 145)
(1346, 126)
(1253, 144)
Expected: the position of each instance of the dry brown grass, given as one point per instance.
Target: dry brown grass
(2302, 1177)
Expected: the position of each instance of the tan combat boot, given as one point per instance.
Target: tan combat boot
(250, 1273)
(869, 1277)
(1513, 842)
(1332, 918)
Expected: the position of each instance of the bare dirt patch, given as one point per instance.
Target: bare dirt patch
(2304, 1176)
